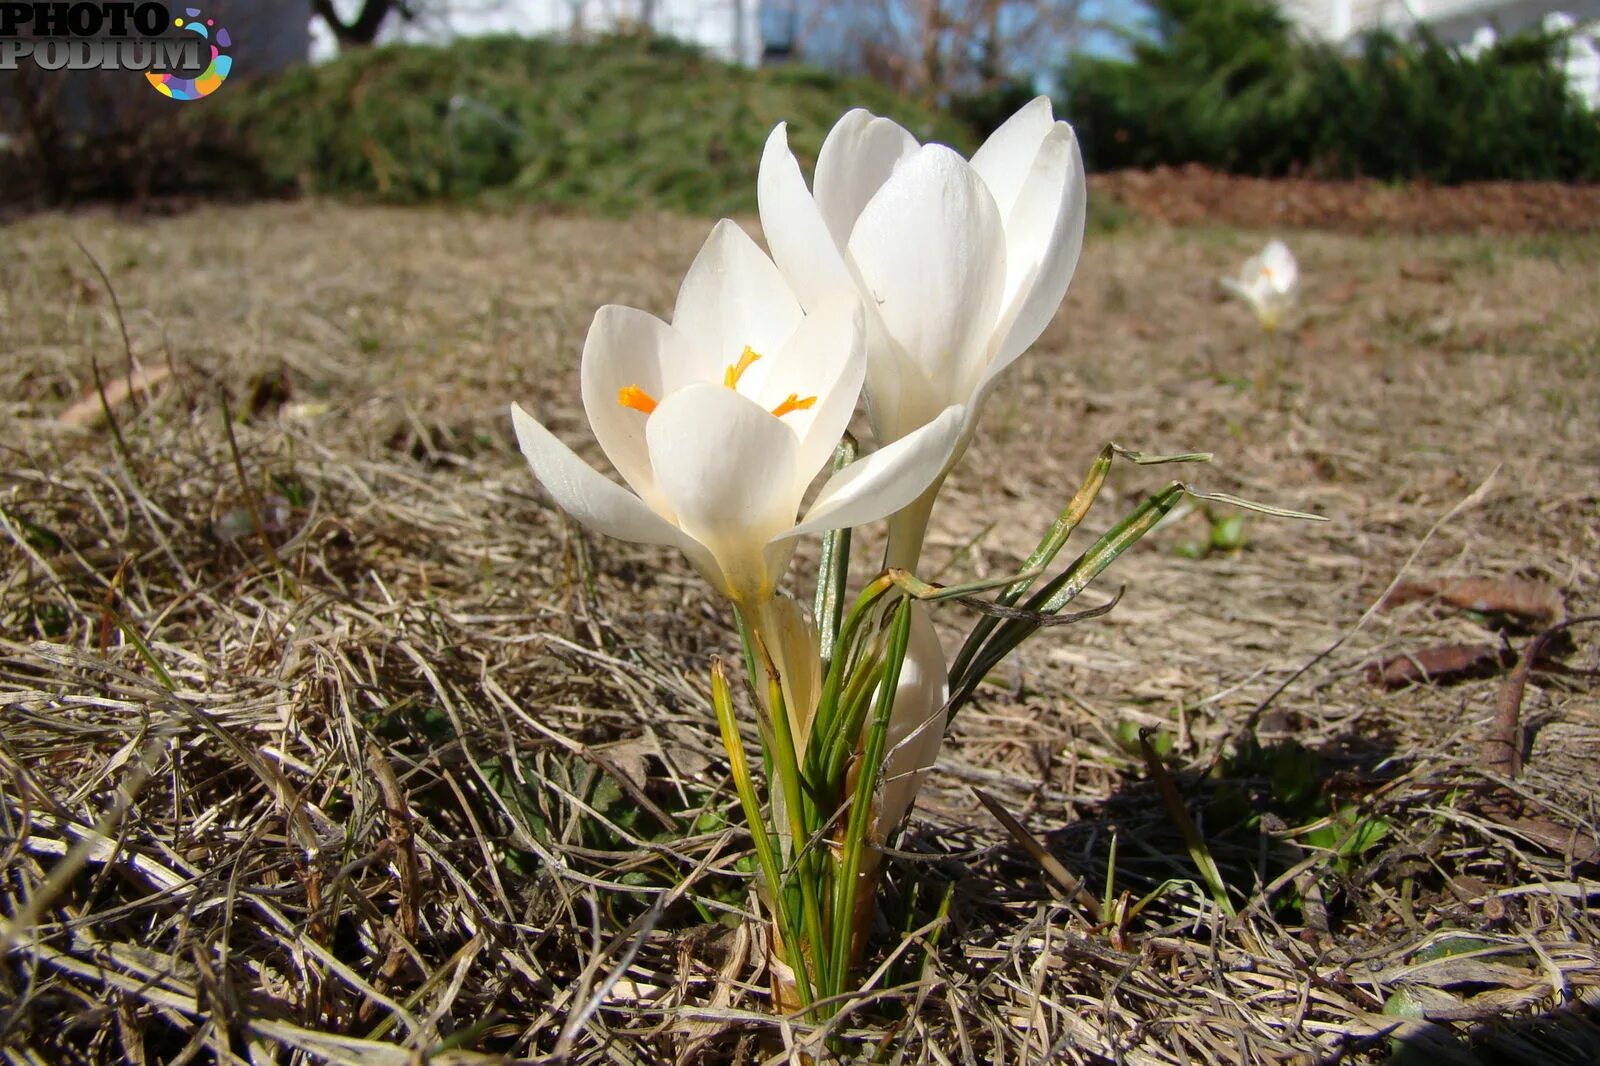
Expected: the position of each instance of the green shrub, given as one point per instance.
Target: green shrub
(1226, 84)
(611, 126)
(1214, 83)
(1420, 109)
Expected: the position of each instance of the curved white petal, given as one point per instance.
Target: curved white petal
(1006, 158)
(931, 251)
(1044, 237)
(626, 347)
(794, 646)
(728, 469)
(1278, 263)
(586, 494)
(733, 296)
(916, 726)
(877, 485)
(826, 360)
(801, 243)
(858, 156)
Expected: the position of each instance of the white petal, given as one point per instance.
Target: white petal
(728, 468)
(877, 485)
(931, 251)
(794, 645)
(916, 726)
(825, 359)
(801, 244)
(733, 296)
(857, 157)
(1277, 262)
(1007, 157)
(585, 494)
(626, 347)
(1044, 236)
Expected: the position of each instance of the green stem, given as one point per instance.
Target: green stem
(799, 809)
(739, 767)
(827, 716)
(856, 701)
(908, 528)
(866, 783)
(803, 860)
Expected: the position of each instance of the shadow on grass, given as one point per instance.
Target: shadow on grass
(1569, 1036)
(1370, 916)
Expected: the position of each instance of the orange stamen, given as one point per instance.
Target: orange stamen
(635, 397)
(794, 403)
(731, 376)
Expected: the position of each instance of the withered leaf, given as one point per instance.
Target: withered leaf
(1442, 662)
(1529, 600)
(90, 411)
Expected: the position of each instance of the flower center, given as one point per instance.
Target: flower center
(632, 396)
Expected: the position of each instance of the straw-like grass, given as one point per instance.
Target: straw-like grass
(325, 738)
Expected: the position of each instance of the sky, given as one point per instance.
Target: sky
(820, 37)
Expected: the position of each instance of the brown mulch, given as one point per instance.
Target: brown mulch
(1191, 195)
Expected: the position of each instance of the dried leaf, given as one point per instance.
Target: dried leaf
(1442, 662)
(1583, 847)
(1532, 601)
(1422, 270)
(90, 412)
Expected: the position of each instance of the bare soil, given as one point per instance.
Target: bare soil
(1193, 195)
(324, 737)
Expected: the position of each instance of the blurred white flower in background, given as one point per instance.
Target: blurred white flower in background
(1269, 282)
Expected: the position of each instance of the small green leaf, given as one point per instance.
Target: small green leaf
(1227, 534)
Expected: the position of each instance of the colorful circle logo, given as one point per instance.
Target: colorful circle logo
(214, 75)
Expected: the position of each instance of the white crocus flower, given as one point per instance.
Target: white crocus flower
(1269, 283)
(960, 265)
(720, 421)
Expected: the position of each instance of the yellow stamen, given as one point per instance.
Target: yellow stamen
(793, 403)
(635, 397)
(731, 376)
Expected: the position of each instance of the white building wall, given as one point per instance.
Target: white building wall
(1453, 20)
(1470, 24)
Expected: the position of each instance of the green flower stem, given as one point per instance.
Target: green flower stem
(804, 861)
(855, 839)
(739, 767)
(833, 569)
(843, 743)
(826, 720)
(908, 528)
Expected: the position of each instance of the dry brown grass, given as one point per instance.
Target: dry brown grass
(353, 750)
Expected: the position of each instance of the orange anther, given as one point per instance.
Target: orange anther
(794, 403)
(635, 397)
(731, 376)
